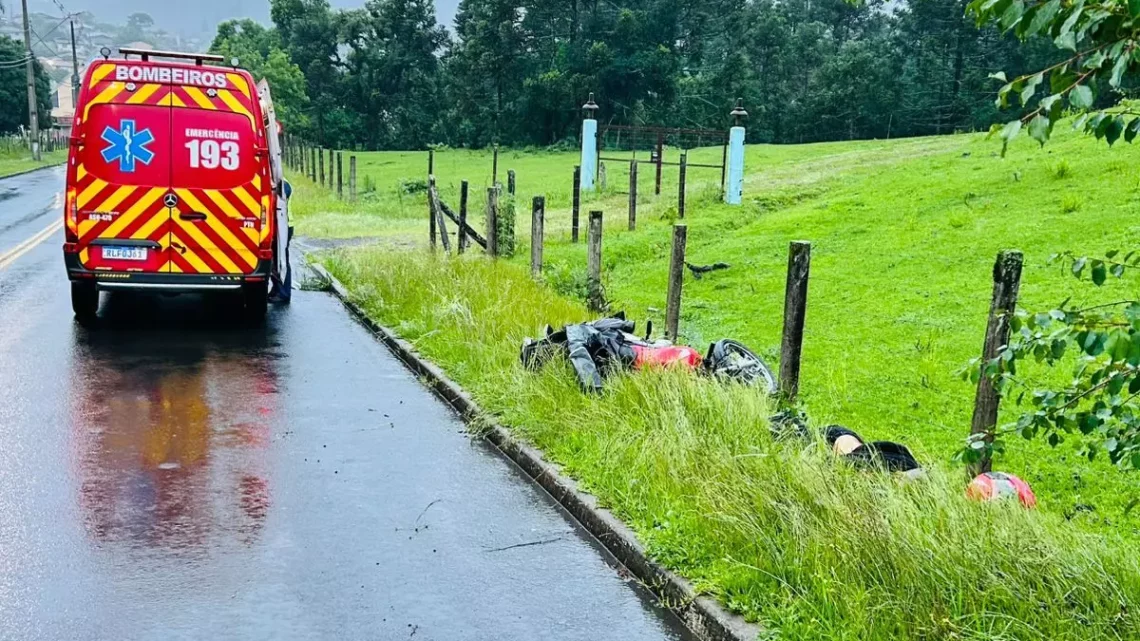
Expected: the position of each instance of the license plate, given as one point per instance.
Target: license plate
(111, 252)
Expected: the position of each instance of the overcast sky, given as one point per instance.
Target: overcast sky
(197, 17)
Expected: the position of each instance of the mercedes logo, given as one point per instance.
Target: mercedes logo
(170, 200)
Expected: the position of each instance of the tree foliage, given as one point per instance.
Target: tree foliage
(1100, 43)
(258, 50)
(517, 71)
(1099, 404)
(14, 92)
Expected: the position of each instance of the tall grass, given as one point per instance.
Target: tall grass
(777, 529)
(15, 158)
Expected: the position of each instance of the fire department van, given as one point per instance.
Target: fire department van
(173, 180)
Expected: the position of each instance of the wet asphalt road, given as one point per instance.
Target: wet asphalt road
(165, 476)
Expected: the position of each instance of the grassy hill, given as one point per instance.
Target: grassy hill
(904, 237)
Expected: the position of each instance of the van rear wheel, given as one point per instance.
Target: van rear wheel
(255, 299)
(84, 301)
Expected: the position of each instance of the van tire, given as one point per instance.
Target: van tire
(84, 301)
(255, 299)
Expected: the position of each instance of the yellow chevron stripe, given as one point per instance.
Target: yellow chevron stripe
(84, 256)
(85, 226)
(197, 96)
(156, 220)
(257, 182)
(235, 244)
(239, 83)
(126, 218)
(93, 190)
(171, 100)
(252, 207)
(80, 172)
(172, 267)
(141, 95)
(105, 96)
(235, 105)
(214, 223)
(219, 227)
(101, 72)
(207, 245)
(223, 204)
(114, 199)
(218, 199)
(197, 263)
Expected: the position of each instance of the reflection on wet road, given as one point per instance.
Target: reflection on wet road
(166, 476)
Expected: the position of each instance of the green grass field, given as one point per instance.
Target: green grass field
(14, 161)
(904, 236)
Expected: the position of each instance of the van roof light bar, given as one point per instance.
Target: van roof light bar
(146, 54)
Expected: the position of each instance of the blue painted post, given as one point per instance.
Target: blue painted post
(734, 190)
(589, 145)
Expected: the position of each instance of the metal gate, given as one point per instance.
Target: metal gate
(632, 139)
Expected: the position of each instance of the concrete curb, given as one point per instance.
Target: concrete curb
(703, 615)
(33, 170)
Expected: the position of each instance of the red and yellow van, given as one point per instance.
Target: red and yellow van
(169, 181)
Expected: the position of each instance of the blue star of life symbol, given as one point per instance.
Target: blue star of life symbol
(127, 145)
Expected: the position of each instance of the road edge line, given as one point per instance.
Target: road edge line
(703, 615)
(32, 171)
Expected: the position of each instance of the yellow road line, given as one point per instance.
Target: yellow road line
(28, 245)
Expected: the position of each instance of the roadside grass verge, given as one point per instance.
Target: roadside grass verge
(15, 161)
(776, 529)
(904, 236)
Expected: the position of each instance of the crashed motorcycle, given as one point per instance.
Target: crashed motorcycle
(597, 349)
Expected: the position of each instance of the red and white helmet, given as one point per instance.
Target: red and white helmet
(998, 486)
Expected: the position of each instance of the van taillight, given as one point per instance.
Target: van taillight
(71, 208)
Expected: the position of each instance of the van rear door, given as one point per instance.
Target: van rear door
(219, 176)
(123, 174)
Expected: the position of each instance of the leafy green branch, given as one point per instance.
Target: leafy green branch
(1103, 37)
(1099, 404)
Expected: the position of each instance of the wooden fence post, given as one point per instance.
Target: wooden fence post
(595, 299)
(660, 160)
(431, 162)
(495, 166)
(339, 175)
(352, 178)
(431, 213)
(462, 242)
(795, 311)
(676, 280)
(437, 210)
(632, 195)
(493, 222)
(511, 181)
(537, 214)
(1007, 284)
(577, 203)
(321, 166)
(681, 187)
(331, 154)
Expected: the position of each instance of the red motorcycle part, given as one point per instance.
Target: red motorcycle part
(665, 356)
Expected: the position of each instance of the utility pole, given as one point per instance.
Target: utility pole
(74, 69)
(33, 115)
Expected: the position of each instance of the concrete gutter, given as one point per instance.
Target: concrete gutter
(32, 170)
(703, 615)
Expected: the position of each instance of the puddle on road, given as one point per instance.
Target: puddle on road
(172, 428)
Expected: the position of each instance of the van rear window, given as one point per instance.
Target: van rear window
(212, 149)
